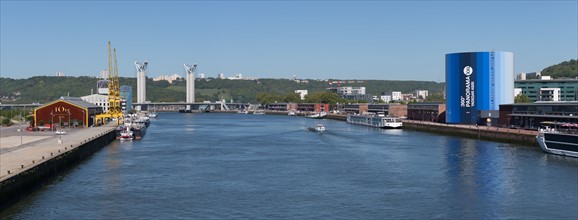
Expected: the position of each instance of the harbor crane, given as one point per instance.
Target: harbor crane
(114, 108)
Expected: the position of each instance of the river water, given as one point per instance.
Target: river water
(224, 166)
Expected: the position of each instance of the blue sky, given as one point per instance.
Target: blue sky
(389, 40)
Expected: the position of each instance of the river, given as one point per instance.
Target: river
(231, 166)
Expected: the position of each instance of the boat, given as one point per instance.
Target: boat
(375, 120)
(126, 134)
(138, 130)
(259, 112)
(291, 113)
(153, 114)
(317, 128)
(317, 115)
(242, 111)
(561, 141)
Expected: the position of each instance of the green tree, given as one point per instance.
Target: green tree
(436, 97)
(324, 97)
(567, 69)
(521, 98)
(291, 97)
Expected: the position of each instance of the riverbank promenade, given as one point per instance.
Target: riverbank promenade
(21, 151)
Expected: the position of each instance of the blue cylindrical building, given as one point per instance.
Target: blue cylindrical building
(477, 81)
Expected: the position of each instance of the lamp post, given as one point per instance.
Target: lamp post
(21, 131)
(51, 121)
(68, 121)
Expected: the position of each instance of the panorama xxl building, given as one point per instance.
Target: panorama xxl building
(476, 84)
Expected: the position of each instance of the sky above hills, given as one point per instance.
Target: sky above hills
(386, 40)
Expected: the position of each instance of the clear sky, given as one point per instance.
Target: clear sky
(389, 40)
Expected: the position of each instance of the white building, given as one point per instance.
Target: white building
(236, 77)
(97, 99)
(201, 76)
(385, 98)
(221, 76)
(349, 90)
(396, 96)
(421, 94)
(59, 74)
(169, 78)
(549, 94)
(301, 93)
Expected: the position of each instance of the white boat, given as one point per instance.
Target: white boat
(259, 112)
(126, 134)
(317, 128)
(291, 113)
(559, 141)
(375, 120)
(242, 111)
(317, 115)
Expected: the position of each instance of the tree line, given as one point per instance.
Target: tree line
(43, 89)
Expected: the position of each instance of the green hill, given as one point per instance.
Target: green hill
(566, 69)
(43, 89)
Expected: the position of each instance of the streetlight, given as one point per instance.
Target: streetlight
(51, 121)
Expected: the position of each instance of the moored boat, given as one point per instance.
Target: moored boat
(562, 141)
(126, 134)
(317, 115)
(375, 120)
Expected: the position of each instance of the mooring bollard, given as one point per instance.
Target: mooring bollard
(8, 171)
(43, 157)
(22, 166)
(32, 161)
(51, 153)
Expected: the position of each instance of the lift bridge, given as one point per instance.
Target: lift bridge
(193, 107)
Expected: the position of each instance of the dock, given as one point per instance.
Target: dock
(28, 159)
(499, 134)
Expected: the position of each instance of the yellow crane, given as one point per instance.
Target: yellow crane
(114, 109)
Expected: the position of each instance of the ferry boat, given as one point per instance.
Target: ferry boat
(375, 120)
(562, 141)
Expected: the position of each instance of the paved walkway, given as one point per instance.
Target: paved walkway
(37, 147)
(474, 127)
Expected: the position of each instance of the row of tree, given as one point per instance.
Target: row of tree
(44, 89)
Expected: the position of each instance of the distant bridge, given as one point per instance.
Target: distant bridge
(203, 106)
(159, 106)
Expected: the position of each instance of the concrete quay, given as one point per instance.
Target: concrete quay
(519, 136)
(28, 160)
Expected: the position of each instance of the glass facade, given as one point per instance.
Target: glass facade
(531, 88)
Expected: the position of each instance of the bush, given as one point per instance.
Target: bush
(6, 121)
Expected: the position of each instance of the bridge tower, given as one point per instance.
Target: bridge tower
(141, 80)
(190, 82)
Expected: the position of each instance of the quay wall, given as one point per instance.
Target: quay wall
(24, 182)
(517, 136)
